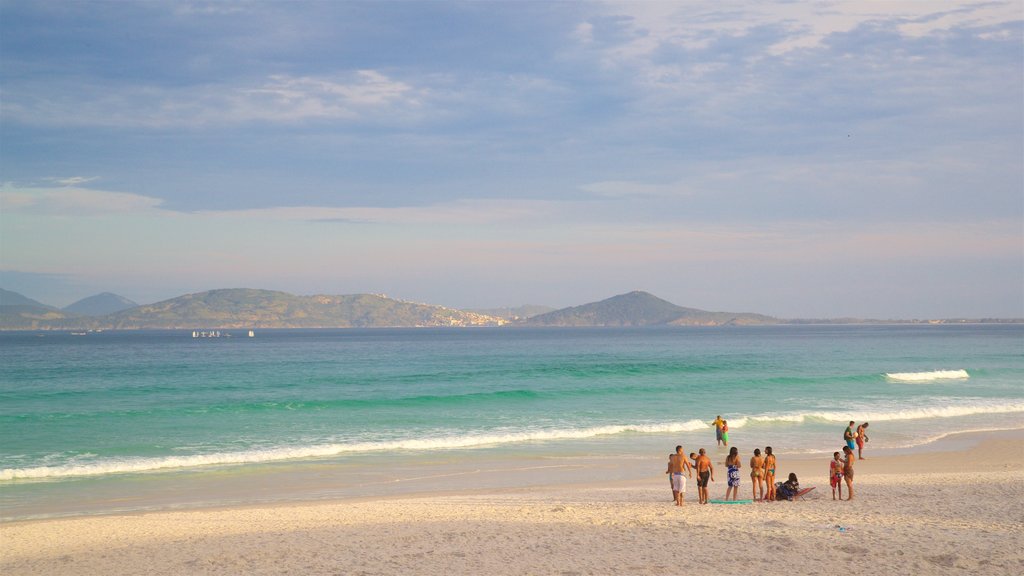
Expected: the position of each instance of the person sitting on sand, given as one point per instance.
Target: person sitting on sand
(676, 464)
(788, 489)
(848, 471)
(732, 464)
(757, 475)
(705, 472)
(769, 473)
(861, 437)
(835, 475)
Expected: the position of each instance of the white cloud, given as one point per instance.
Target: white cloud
(74, 201)
(73, 180)
(83, 202)
(626, 189)
(296, 98)
(365, 95)
(694, 25)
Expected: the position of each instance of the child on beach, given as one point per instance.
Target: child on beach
(725, 432)
(671, 485)
(835, 475)
(769, 472)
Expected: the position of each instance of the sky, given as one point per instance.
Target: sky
(797, 159)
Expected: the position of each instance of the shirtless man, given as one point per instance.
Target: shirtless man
(848, 471)
(705, 472)
(861, 437)
(757, 475)
(676, 464)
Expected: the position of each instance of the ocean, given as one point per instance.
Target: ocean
(143, 420)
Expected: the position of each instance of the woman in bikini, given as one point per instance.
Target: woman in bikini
(769, 472)
(848, 471)
(732, 463)
(757, 475)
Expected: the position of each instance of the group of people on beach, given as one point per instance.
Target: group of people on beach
(840, 469)
(762, 469)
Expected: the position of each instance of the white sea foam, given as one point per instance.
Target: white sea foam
(963, 407)
(928, 376)
(134, 465)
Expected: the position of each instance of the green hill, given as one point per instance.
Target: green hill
(247, 308)
(243, 308)
(19, 312)
(100, 305)
(642, 309)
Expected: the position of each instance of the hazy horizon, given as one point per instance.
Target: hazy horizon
(800, 160)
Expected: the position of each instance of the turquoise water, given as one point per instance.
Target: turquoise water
(84, 414)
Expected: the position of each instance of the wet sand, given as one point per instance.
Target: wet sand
(953, 509)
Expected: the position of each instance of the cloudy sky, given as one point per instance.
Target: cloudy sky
(797, 159)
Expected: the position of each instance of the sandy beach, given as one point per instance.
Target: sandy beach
(942, 511)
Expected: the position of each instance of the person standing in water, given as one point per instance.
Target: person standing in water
(732, 464)
(757, 475)
(725, 432)
(718, 428)
(769, 472)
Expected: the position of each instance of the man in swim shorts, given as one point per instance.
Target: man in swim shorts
(849, 435)
(862, 437)
(705, 473)
(676, 464)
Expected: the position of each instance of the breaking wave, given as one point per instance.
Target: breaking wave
(258, 456)
(869, 415)
(928, 376)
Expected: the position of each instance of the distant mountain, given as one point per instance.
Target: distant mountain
(247, 308)
(515, 313)
(19, 312)
(642, 309)
(8, 298)
(100, 305)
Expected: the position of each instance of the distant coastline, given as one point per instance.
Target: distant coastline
(243, 308)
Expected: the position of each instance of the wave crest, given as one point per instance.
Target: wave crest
(928, 376)
(135, 465)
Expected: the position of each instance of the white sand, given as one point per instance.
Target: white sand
(930, 513)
